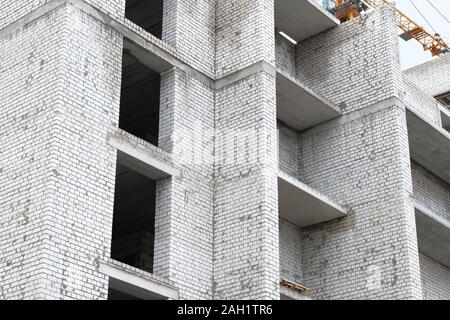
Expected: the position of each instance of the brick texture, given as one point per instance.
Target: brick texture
(218, 234)
(435, 279)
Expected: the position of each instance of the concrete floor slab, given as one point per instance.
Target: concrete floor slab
(148, 56)
(429, 145)
(136, 282)
(301, 19)
(433, 236)
(299, 107)
(302, 205)
(142, 157)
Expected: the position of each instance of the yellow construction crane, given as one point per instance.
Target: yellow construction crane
(349, 9)
(346, 10)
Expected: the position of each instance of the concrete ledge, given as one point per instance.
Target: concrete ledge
(304, 206)
(136, 282)
(228, 79)
(301, 19)
(146, 54)
(289, 294)
(429, 145)
(299, 107)
(142, 157)
(433, 235)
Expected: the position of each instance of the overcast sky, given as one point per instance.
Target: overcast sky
(411, 52)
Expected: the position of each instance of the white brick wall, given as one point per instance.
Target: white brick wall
(184, 215)
(26, 71)
(246, 247)
(288, 150)
(189, 25)
(218, 233)
(290, 252)
(285, 55)
(431, 192)
(244, 34)
(435, 279)
(69, 79)
(432, 77)
(354, 65)
(12, 10)
(421, 102)
(363, 164)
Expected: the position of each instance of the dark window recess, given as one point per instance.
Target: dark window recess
(119, 295)
(148, 14)
(134, 219)
(139, 103)
(444, 99)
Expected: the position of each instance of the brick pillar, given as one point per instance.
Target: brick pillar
(61, 98)
(362, 161)
(246, 209)
(184, 213)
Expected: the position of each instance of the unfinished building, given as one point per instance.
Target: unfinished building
(185, 149)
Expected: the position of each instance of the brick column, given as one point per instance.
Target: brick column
(362, 161)
(246, 209)
(61, 98)
(184, 214)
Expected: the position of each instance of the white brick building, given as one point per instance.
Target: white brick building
(184, 149)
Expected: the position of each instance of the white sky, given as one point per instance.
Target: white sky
(411, 52)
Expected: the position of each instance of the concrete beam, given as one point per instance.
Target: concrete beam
(142, 157)
(136, 282)
(147, 56)
(433, 235)
(429, 145)
(304, 206)
(299, 107)
(301, 19)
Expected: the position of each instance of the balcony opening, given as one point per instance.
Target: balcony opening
(148, 14)
(133, 219)
(140, 96)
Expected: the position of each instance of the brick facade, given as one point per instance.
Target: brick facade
(217, 230)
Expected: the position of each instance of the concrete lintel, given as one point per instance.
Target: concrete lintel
(299, 107)
(135, 283)
(302, 205)
(429, 145)
(146, 54)
(433, 235)
(142, 157)
(302, 19)
(261, 66)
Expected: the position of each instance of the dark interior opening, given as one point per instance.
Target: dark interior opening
(444, 99)
(139, 103)
(114, 294)
(134, 219)
(148, 14)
